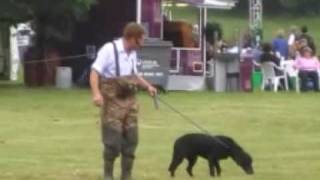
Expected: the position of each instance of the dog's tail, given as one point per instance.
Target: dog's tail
(177, 158)
(174, 157)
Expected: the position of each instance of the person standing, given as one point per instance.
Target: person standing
(292, 40)
(280, 45)
(114, 80)
(308, 38)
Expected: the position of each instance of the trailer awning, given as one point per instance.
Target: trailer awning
(214, 4)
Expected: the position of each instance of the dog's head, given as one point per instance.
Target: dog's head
(244, 160)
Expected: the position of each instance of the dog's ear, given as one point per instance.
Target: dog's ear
(236, 146)
(230, 142)
(240, 156)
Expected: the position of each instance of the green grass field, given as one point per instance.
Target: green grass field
(48, 134)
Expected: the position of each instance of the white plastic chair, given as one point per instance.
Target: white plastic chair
(269, 76)
(292, 72)
(319, 77)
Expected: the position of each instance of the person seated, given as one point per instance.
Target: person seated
(268, 56)
(308, 65)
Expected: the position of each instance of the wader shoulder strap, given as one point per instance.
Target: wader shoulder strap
(116, 56)
(133, 67)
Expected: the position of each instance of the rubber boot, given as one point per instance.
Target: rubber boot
(108, 169)
(126, 167)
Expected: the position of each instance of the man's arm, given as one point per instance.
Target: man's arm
(146, 85)
(102, 61)
(94, 83)
(142, 82)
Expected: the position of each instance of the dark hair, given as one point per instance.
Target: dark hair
(304, 29)
(266, 47)
(212, 29)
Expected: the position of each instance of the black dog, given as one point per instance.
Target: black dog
(212, 148)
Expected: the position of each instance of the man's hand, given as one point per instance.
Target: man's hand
(97, 100)
(152, 91)
(147, 86)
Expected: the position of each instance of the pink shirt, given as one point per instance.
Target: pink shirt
(307, 64)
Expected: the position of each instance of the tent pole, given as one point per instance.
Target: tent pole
(139, 11)
(204, 14)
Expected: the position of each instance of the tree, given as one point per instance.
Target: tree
(306, 6)
(11, 12)
(291, 6)
(52, 20)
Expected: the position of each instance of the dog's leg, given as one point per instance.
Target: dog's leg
(211, 167)
(218, 168)
(176, 161)
(192, 162)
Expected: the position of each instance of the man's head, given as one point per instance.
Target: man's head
(280, 33)
(304, 29)
(133, 34)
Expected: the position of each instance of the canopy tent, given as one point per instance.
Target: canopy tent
(214, 4)
(189, 63)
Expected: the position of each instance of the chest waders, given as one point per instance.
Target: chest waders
(119, 119)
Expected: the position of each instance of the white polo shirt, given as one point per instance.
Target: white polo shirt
(105, 63)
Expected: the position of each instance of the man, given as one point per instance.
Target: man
(305, 36)
(280, 45)
(113, 81)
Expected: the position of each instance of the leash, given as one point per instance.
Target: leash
(157, 99)
(63, 58)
